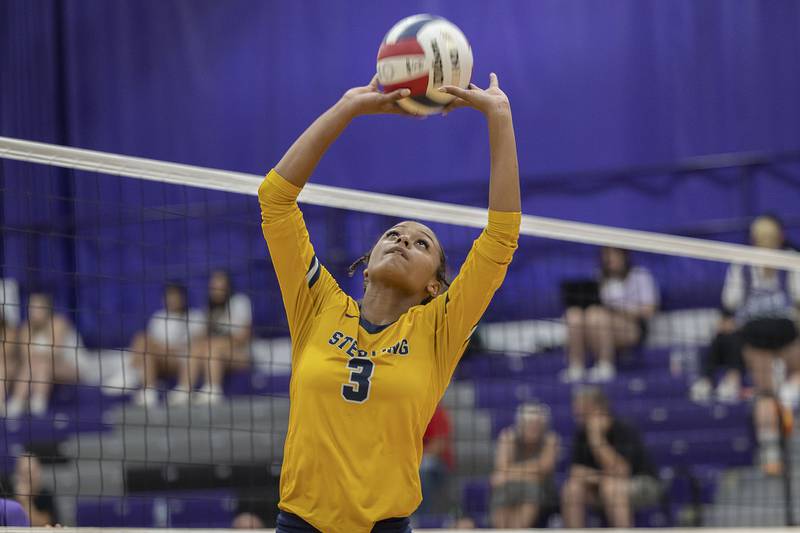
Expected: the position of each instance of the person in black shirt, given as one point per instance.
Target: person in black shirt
(609, 469)
(724, 357)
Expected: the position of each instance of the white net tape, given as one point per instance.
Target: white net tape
(386, 204)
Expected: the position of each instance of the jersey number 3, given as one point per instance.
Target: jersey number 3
(361, 374)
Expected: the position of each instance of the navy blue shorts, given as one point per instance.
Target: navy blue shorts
(291, 523)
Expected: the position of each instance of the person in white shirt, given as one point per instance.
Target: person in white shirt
(765, 302)
(10, 307)
(628, 299)
(164, 349)
(49, 348)
(526, 455)
(229, 319)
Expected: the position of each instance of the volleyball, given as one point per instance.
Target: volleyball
(422, 53)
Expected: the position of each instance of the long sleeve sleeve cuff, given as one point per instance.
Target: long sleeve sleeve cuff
(499, 239)
(277, 196)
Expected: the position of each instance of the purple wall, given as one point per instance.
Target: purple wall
(594, 85)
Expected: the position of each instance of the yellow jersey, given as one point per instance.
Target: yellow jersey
(362, 395)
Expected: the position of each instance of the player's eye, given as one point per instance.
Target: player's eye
(392, 233)
(424, 243)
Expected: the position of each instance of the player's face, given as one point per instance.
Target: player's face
(218, 287)
(580, 409)
(407, 256)
(583, 408)
(174, 300)
(614, 260)
(39, 309)
(533, 426)
(766, 233)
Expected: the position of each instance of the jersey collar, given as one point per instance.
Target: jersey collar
(368, 326)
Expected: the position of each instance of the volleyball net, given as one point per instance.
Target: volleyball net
(146, 356)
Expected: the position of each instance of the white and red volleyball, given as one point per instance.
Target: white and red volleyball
(422, 53)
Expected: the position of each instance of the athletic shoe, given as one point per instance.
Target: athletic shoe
(769, 457)
(14, 409)
(700, 391)
(206, 396)
(602, 373)
(729, 391)
(146, 397)
(178, 397)
(571, 374)
(38, 405)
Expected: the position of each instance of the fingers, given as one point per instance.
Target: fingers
(374, 82)
(394, 109)
(493, 81)
(455, 104)
(456, 91)
(463, 97)
(397, 94)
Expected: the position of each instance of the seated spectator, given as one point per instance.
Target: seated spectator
(37, 502)
(437, 460)
(610, 468)
(525, 458)
(163, 350)
(628, 299)
(724, 360)
(9, 357)
(226, 344)
(9, 323)
(49, 347)
(765, 302)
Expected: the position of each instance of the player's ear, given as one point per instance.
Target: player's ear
(433, 288)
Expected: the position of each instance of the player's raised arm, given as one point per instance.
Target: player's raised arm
(485, 267)
(504, 174)
(303, 156)
(306, 286)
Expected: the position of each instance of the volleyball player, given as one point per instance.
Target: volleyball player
(366, 377)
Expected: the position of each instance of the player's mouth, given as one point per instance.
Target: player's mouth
(397, 250)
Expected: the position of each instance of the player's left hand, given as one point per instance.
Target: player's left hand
(489, 101)
(370, 100)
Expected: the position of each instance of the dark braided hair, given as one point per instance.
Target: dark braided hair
(441, 271)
